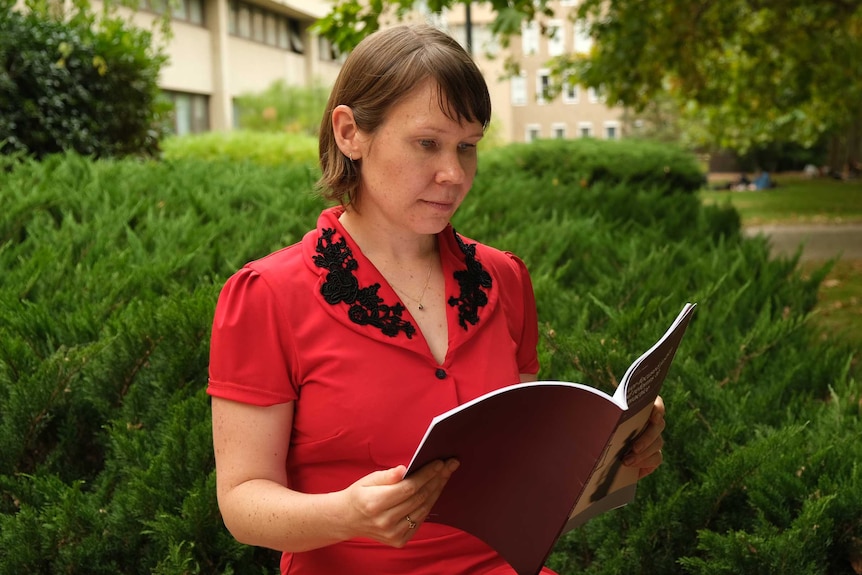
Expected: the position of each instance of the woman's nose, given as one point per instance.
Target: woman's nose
(451, 170)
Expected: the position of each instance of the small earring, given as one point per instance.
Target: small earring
(350, 155)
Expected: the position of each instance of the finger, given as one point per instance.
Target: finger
(409, 527)
(658, 410)
(430, 476)
(396, 490)
(646, 455)
(384, 477)
(419, 506)
(651, 464)
(644, 471)
(424, 487)
(377, 497)
(426, 494)
(650, 435)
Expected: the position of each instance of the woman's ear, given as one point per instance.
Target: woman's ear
(346, 132)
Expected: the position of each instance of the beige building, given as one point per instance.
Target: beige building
(521, 104)
(221, 49)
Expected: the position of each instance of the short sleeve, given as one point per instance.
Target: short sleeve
(523, 318)
(250, 346)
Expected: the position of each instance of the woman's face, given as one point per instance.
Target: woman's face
(418, 166)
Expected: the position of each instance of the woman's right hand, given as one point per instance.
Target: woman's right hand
(387, 507)
(251, 445)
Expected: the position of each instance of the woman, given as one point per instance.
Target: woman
(330, 357)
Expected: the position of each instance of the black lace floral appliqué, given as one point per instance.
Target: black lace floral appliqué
(471, 281)
(366, 308)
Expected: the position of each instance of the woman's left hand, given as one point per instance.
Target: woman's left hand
(646, 450)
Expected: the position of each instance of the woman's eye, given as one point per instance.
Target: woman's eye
(427, 143)
(466, 147)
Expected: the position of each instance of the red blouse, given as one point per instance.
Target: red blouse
(316, 323)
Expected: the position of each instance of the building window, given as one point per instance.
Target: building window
(296, 43)
(570, 91)
(585, 129)
(533, 132)
(196, 11)
(485, 43)
(236, 113)
(233, 19)
(612, 130)
(257, 18)
(530, 38)
(265, 26)
(559, 130)
(431, 17)
(157, 6)
(243, 27)
(190, 114)
(592, 95)
(543, 86)
(327, 51)
(583, 41)
(271, 29)
(556, 38)
(191, 11)
(519, 89)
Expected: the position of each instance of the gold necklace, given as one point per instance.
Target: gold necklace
(424, 289)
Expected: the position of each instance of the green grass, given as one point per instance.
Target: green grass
(798, 200)
(839, 307)
(795, 200)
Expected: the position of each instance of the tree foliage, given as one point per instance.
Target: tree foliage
(72, 80)
(750, 71)
(350, 21)
(742, 74)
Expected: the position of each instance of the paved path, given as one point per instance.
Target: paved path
(819, 241)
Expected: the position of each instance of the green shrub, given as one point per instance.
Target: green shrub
(110, 274)
(283, 108)
(77, 84)
(586, 161)
(243, 146)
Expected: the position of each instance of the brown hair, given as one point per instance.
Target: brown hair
(381, 70)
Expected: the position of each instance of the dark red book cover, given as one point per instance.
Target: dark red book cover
(540, 458)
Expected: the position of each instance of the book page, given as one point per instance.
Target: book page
(641, 383)
(613, 484)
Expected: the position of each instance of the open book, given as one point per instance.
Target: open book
(539, 459)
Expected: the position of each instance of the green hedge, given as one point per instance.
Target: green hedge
(584, 162)
(110, 274)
